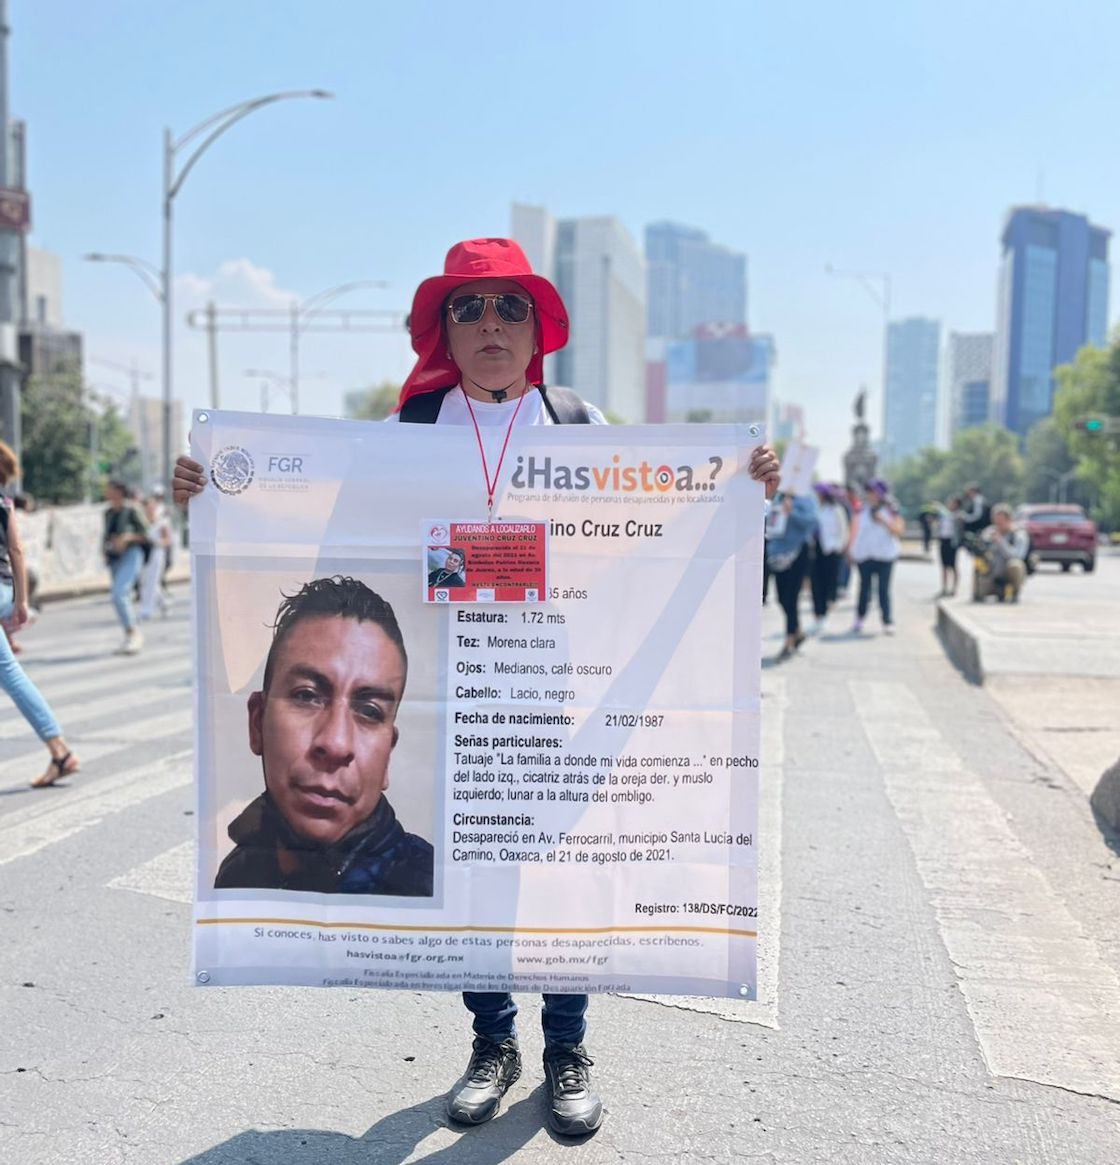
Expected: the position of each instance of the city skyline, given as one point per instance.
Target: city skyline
(781, 151)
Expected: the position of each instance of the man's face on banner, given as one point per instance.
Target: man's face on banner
(326, 727)
(452, 562)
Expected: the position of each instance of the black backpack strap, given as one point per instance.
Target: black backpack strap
(564, 406)
(423, 408)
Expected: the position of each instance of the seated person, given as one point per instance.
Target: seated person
(1008, 546)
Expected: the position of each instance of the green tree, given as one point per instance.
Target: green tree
(913, 479)
(1046, 461)
(374, 403)
(73, 440)
(987, 455)
(1091, 385)
(56, 436)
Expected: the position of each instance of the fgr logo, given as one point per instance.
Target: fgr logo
(438, 535)
(232, 469)
(443, 596)
(283, 463)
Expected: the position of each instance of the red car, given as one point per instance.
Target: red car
(1060, 534)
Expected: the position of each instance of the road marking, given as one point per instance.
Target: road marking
(56, 816)
(18, 771)
(96, 670)
(764, 1012)
(168, 875)
(1044, 1004)
(153, 728)
(78, 712)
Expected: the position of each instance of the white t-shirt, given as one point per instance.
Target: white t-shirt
(493, 419)
(833, 525)
(873, 541)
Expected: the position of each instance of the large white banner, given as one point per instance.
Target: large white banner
(398, 789)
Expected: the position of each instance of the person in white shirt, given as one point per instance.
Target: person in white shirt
(950, 529)
(481, 331)
(873, 547)
(151, 574)
(831, 542)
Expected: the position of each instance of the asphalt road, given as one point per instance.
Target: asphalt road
(941, 951)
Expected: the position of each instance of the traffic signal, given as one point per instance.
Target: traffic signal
(1091, 424)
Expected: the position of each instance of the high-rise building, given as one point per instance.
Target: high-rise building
(721, 373)
(968, 377)
(788, 423)
(599, 272)
(1052, 301)
(910, 415)
(691, 281)
(46, 346)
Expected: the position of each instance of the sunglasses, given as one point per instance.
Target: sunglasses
(469, 309)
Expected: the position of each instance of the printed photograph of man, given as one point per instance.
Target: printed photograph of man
(324, 726)
(450, 570)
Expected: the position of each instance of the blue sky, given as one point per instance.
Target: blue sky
(884, 137)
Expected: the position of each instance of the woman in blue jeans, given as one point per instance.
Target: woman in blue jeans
(13, 611)
(126, 541)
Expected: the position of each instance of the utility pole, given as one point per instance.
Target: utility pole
(212, 349)
(14, 217)
(294, 320)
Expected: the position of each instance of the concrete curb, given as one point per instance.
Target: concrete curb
(961, 642)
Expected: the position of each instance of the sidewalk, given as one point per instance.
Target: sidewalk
(1051, 661)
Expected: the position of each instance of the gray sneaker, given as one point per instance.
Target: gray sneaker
(576, 1109)
(492, 1069)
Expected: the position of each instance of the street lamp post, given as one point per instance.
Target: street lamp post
(209, 130)
(882, 297)
(302, 313)
(269, 381)
(160, 280)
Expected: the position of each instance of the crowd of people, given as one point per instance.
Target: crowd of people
(824, 536)
(836, 531)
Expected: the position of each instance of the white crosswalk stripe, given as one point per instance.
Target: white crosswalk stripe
(72, 706)
(168, 875)
(51, 819)
(152, 728)
(1045, 1005)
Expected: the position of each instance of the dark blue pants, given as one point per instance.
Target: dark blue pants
(562, 1018)
(875, 568)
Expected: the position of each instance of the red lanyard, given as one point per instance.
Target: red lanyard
(492, 483)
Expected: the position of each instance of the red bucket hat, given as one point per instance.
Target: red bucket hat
(466, 262)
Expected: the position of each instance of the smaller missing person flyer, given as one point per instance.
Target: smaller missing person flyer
(536, 768)
(485, 562)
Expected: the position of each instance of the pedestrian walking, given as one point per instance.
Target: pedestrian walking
(481, 331)
(831, 543)
(126, 545)
(14, 612)
(950, 530)
(787, 555)
(873, 548)
(151, 575)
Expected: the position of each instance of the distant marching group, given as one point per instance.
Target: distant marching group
(824, 534)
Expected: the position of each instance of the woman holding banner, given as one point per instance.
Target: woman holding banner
(14, 612)
(481, 330)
